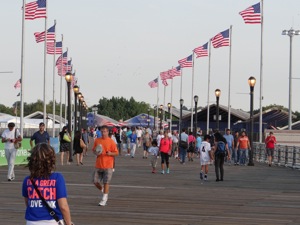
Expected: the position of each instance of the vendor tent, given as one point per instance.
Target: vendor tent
(142, 121)
(100, 120)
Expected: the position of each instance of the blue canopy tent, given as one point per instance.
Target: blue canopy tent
(140, 121)
(100, 120)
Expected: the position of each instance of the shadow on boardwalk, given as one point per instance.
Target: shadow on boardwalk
(249, 195)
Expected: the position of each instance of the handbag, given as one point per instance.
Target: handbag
(66, 138)
(18, 144)
(82, 144)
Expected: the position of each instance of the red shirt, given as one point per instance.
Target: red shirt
(165, 145)
(270, 142)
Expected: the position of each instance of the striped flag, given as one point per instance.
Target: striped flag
(153, 83)
(40, 36)
(65, 59)
(69, 66)
(175, 71)
(201, 51)
(186, 62)
(165, 75)
(58, 48)
(17, 84)
(221, 39)
(35, 10)
(164, 82)
(252, 15)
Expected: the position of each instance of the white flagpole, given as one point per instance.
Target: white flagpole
(157, 99)
(164, 114)
(53, 101)
(261, 73)
(45, 62)
(66, 91)
(208, 88)
(171, 110)
(22, 70)
(229, 82)
(61, 70)
(192, 97)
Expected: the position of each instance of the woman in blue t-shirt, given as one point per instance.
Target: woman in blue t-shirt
(51, 185)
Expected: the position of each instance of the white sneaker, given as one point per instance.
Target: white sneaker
(102, 202)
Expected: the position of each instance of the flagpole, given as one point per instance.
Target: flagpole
(261, 73)
(229, 82)
(171, 110)
(66, 91)
(164, 114)
(45, 62)
(208, 88)
(192, 98)
(61, 61)
(53, 101)
(157, 99)
(22, 70)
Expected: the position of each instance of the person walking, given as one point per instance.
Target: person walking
(165, 148)
(119, 141)
(230, 142)
(236, 150)
(133, 142)
(191, 148)
(270, 146)
(64, 139)
(78, 150)
(221, 147)
(183, 145)
(85, 138)
(153, 151)
(50, 184)
(10, 136)
(41, 136)
(198, 143)
(244, 145)
(174, 145)
(146, 144)
(206, 156)
(104, 163)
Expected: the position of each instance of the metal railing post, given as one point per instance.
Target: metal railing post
(286, 155)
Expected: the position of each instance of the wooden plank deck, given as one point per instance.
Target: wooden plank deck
(249, 195)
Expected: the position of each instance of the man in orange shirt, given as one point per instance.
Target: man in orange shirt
(104, 162)
(270, 145)
(244, 145)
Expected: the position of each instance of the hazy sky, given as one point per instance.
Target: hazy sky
(119, 46)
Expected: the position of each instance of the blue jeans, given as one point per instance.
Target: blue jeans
(182, 154)
(234, 156)
(243, 156)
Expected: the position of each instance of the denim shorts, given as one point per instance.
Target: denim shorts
(104, 175)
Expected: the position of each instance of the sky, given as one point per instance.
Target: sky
(119, 46)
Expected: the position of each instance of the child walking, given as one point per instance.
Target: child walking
(153, 151)
(205, 157)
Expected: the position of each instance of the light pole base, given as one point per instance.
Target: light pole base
(251, 164)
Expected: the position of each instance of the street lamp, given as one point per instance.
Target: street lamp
(154, 113)
(95, 109)
(251, 82)
(148, 120)
(69, 77)
(180, 119)
(196, 119)
(291, 34)
(169, 123)
(76, 91)
(80, 112)
(217, 93)
(161, 115)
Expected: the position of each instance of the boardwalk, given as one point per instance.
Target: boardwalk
(249, 195)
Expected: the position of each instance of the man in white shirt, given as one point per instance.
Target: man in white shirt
(139, 133)
(205, 156)
(9, 137)
(159, 137)
(183, 145)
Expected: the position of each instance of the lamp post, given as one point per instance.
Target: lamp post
(161, 116)
(76, 91)
(291, 32)
(251, 82)
(196, 119)
(154, 113)
(217, 93)
(94, 109)
(148, 120)
(79, 96)
(180, 119)
(81, 112)
(69, 77)
(169, 122)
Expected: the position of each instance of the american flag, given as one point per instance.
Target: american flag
(35, 10)
(175, 71)
(17, 84)
(201, 51)
(58, 48)
(153, 83)
(74, 80)
(252, 15)
(165, 75)
(221, 39)
(69, 66)
(65, 59)
(40, 36)
(186, 62)
(164, 82)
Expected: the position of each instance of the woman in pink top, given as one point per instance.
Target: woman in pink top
(165, 148)
(192, 144)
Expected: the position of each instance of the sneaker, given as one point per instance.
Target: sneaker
(8, 179)
(168, 170)
(201, 176)
(162, 172)
(102, 202)
(217, 180)
(205, 177)
(192, 160)
(153, 171)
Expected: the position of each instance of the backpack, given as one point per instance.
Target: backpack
(221, 149)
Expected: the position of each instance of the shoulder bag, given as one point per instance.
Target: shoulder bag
(18, 144)
(82, 144)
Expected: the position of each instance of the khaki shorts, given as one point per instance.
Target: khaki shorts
(104, 175)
